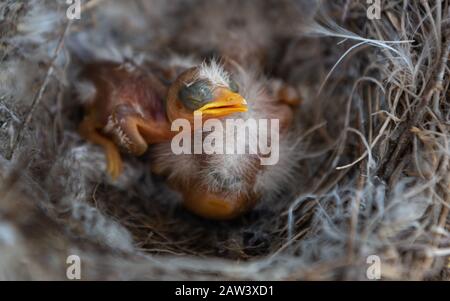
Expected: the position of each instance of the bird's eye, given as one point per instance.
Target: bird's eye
(233, 86)
(196, 95)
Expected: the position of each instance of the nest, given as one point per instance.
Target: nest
(374, 156)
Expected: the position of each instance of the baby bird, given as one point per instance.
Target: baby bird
(124, 108)
(132, 108)
(129, 109)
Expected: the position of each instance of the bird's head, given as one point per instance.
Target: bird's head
(206, 88)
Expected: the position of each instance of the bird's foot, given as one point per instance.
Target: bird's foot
(288, 95)
(114, 161)
(133, 132)
(123, 126)
(285, 93)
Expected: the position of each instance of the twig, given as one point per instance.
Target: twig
(85, 7)
(353, 224)
(39, 95)
(389, 163)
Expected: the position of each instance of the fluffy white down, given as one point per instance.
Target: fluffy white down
(226, 172)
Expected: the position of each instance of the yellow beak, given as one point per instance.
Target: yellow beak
(225, 104)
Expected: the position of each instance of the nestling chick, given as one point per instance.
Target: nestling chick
(224, 185)
(125, 110)
(133, 108)
(129, 108)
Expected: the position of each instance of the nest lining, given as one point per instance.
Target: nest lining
(374, 154)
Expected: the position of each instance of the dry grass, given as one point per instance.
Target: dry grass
(375, 153)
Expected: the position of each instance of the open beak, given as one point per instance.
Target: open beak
(225, 104)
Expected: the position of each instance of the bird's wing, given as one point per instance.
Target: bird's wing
(129, 105)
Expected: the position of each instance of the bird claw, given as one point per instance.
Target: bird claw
(288, 95)
(122, 127)
(285, 93)
(115, 164)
